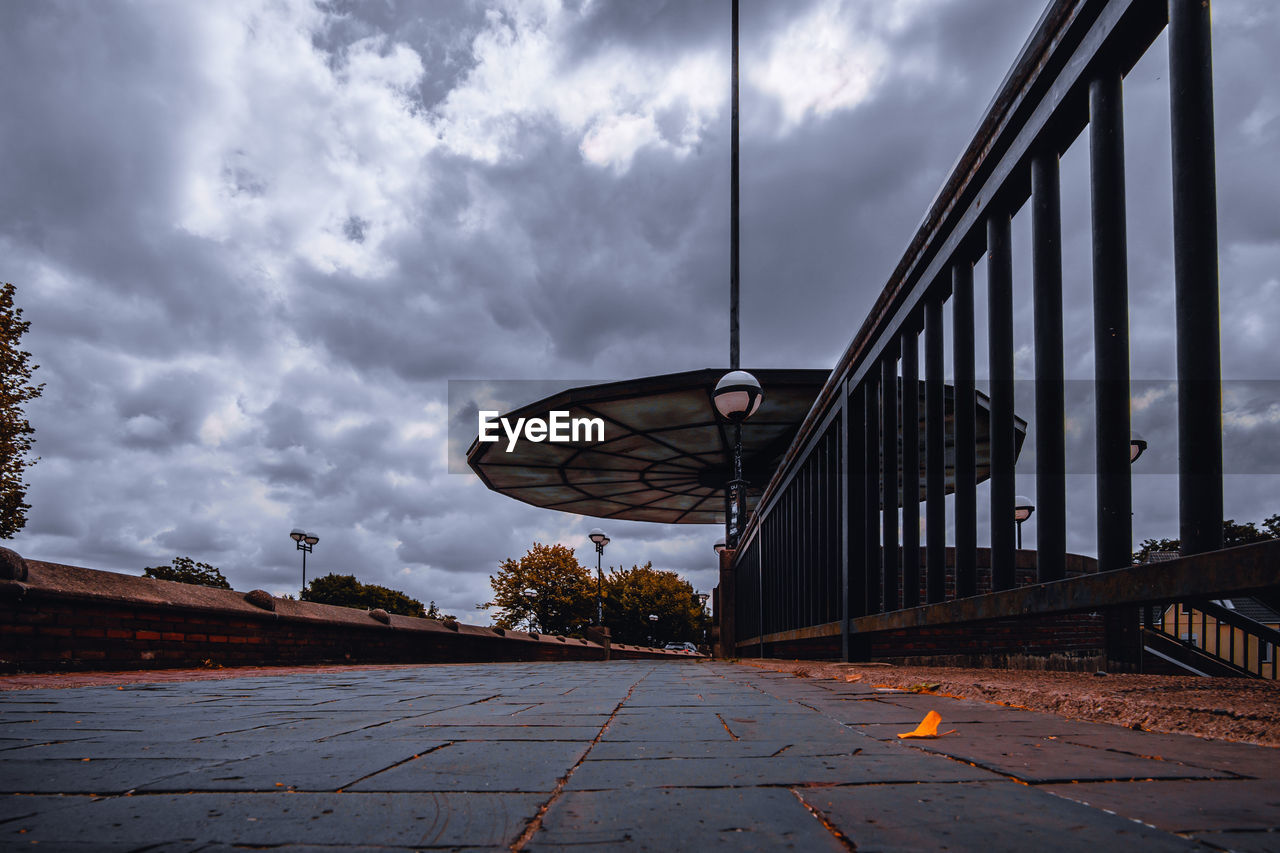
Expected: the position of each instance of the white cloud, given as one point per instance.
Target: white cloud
(609, 102)
(292, 157)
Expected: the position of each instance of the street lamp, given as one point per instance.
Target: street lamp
(597, 536)
(1022, 509)
(737, 397)
(719, 546)
(1137, 446)
(305, 542)
(702, 615)
(652, 618)
(530, 595)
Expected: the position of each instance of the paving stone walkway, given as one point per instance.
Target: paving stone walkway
(600, 756)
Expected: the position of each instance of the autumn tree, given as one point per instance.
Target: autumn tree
(187, 570)
(563, 594)
(346, 591)
(632, 595)
(15, 431)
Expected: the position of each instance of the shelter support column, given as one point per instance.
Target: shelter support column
(725, 610)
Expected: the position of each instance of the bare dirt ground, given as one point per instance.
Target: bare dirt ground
(1234, 709)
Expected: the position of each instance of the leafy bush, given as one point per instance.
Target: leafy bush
(187, 570)
(346, 591)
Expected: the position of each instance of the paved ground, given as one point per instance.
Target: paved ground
(600, 756)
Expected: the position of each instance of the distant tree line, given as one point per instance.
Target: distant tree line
(346, 591)
(341, 590)
(1232, 535)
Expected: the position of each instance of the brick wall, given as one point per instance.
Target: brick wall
(66, 617)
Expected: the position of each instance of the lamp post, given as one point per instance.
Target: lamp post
(531, 595)
(1022, 509)
(652, 619)
(737, 397)
(305, 542)
(1137, 446)
(702, 615)
(597, 536)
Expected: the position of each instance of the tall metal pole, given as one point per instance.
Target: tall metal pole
(599, 586)
(735, 489)
(730, 495)
(733, 206)
(304, 569)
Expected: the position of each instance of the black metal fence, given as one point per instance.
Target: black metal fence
(822, 548)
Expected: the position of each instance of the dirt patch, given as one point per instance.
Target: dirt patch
(1233, 709)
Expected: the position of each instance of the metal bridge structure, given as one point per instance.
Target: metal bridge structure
(824, 568)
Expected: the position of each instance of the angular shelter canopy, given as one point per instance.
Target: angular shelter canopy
(666, 455)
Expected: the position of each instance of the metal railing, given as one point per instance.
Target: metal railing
(1210, 628)
(822, 549)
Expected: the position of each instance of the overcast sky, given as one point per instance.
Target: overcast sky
(256, 239)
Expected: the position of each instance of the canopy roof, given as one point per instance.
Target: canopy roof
(666, 455)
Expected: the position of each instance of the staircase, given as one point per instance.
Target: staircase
(1209, 639)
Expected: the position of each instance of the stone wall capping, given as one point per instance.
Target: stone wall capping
(12, 566)
(260, 598)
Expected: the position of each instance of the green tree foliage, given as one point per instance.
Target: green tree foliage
(631, 595)
(1232, 535)
(564, 594)
(15, 431)
(434, 612)
(187, 570)
(346, 591)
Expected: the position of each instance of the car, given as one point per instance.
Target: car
(681, 647)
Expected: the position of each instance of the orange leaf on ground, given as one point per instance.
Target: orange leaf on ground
(853, 676)
(928, 727)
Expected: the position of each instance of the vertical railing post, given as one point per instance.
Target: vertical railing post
(871, 508)
(1195, 266)
(1051, 453)
(1110, 320)
(935, 453)
(842, 487)
(966, 506)
(889, 478)
(910, 465)
(1111, 355)
(857, 497)
(1003, 437)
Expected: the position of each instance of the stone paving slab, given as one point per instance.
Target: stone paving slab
(738, 819)
(417, 732)
(78, 776)
(373, 820)
(1186, 806)
(784, 769)
(314, 767)
(1044, 760)
(1236, 758)
(997, 815)
(598, 755)
(481, 766)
